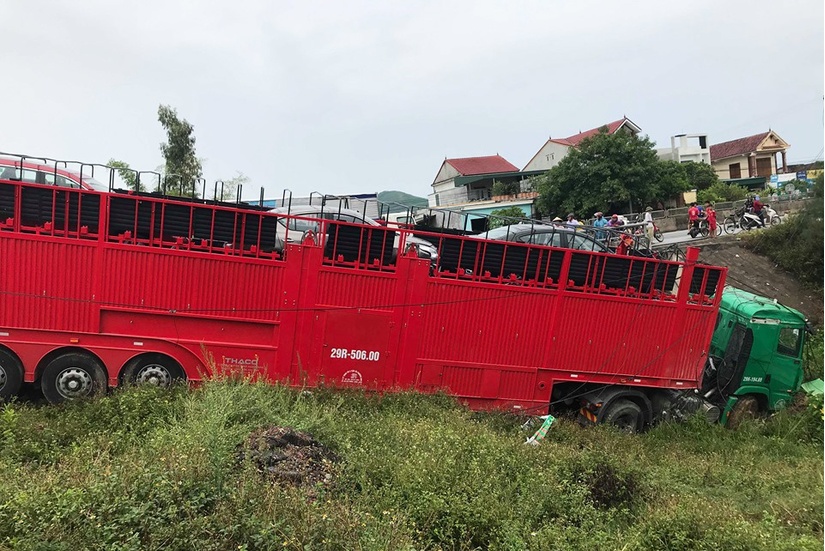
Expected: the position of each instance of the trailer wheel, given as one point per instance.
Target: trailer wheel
(745, 408)
(11, 376)
(153, 369)
(625, 415)
(72, 376)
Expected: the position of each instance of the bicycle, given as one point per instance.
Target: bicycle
(730, 223)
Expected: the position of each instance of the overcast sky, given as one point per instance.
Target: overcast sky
(357, 97)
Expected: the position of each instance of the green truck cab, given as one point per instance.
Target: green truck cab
(755, 362)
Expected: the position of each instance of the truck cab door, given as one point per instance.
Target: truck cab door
(735, 359)
(785, 370)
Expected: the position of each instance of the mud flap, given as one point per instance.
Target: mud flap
(587, 418)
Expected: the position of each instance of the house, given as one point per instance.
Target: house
(751, 157)
(464, 187)
(555, 149)
(686, 148)
(461, 181)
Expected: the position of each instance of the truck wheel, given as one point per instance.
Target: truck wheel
(745, 408)
(625, 415)
(154, 369)
(11, 376)
(72, 376)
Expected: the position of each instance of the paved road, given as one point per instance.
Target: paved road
(681, 236)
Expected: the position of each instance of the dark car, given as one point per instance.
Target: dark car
(299, 219)
(549, 235)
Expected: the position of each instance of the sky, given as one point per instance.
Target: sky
(361, 97)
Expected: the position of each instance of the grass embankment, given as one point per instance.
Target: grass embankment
(796, 244)
(148, 469)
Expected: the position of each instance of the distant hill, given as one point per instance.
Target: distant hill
(399, 201)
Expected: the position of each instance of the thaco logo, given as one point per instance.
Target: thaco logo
(352, 377)
(247, 366)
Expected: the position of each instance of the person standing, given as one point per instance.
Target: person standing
(693, 219)
(649, 227)
(599, 223)
(710, 216)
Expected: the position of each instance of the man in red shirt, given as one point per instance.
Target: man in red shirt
(693, 219)
(757, 210)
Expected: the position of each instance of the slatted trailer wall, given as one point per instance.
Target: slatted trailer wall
(120, 276)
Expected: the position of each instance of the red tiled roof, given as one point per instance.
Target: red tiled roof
(733, 148)
(612, 127)
(470, 166)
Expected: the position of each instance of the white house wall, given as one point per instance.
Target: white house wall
(450, 196)
(548, 156)
(446, 174)
(722, 167)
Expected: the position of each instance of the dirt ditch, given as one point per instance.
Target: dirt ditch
(756, 274)
(289, 457)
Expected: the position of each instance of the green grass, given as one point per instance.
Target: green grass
(147, 469)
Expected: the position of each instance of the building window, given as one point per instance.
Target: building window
(735, 170)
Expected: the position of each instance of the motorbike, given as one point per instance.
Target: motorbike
(749, 220)
(771, 216)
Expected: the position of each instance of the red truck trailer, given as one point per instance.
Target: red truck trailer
(99, 289)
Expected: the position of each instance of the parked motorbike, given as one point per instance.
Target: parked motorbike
(771, 216)
(749, 221)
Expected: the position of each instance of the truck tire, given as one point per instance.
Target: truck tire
(625, 415)
(72, 376)
(152, 369)
(11, 376)
(745, 408)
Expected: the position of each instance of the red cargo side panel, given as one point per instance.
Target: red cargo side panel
(47, 283)
(197, 283)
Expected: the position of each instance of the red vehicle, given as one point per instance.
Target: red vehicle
(105, 288)
(46, 171)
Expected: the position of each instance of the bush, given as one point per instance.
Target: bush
(720, 191)
(505, 217)
(505, 188)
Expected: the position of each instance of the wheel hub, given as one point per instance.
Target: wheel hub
(3, 376)
(154, 374)
(74, 382)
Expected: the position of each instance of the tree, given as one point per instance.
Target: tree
(609, 172)
(505, 217)
(672, 180)
(182, 167)
(127, 174)
(700, 175)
